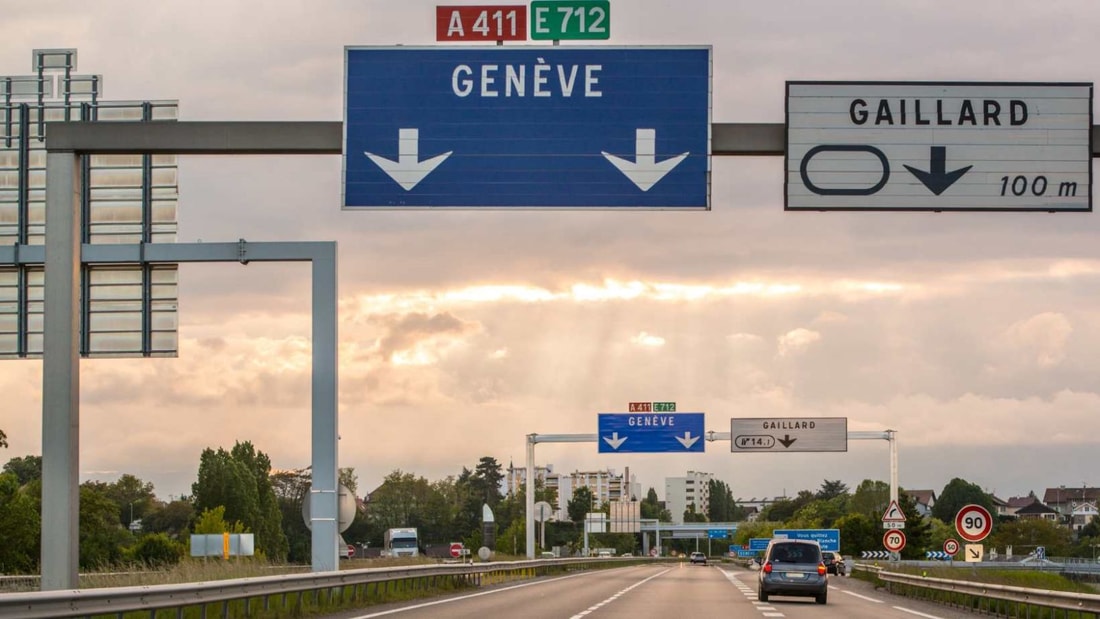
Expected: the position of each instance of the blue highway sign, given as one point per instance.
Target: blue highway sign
(759, 543)
(828, 539)
(527, 127)
(651, 432)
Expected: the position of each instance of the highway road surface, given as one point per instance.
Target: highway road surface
(667, 591)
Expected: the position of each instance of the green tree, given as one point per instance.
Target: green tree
(134, 497)
(21, 527)
(513, 540)
(779, 511)
(239, 480)
(213, 522)
(820, 514)
(722, 507)
(3, 439)
(400, 501)
(651, 508)
(488, 476)
(349, 480)
(939, 532)
(580, 504)
(171, 519)
(691, 515)
(957, 494)
(831, 490)
(102, 536)
(918, 530)
(858, 532)
(157, 550)
(1026, 534)
(27, 468)
(870, 499)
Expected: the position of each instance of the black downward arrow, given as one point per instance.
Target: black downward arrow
(974, 553)
(938, 179)
(787, 441)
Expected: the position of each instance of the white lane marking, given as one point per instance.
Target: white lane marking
(618, 595)
(862, 597)
(763, 607)
(913, 612)
(466, 597)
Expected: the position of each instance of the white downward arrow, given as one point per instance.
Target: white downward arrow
(615, 441)
(644, 171)
(408, 170)
(687, 440)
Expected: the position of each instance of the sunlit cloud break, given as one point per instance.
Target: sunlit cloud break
(609, 291)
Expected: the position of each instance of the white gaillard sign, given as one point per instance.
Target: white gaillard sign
(939, 146)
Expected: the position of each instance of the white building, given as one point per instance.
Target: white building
(680, 492)
(606, 485)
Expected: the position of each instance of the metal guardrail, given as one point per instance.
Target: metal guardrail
(119, 600)
(1061, 600)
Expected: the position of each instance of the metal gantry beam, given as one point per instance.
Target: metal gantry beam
(326, 138)
(711, 436)
(66, 145)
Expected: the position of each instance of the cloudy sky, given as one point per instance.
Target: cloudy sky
(974, 335)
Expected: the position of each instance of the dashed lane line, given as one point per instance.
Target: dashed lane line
(763, 607)
(617, 595)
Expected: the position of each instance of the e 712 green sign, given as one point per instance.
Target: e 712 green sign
(560, 20)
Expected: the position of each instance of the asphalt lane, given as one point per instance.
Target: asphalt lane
(658, 591)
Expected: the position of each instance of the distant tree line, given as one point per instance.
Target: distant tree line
(237, 490)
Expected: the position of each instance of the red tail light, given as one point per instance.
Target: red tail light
(821, 569)
(768, 567)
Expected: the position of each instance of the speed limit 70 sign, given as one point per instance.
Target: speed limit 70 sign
(894, 540)
(973, 523)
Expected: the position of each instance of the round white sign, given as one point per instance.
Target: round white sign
(973, 523)
(894, 540)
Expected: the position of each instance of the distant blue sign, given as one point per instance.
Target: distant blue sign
(828, 539)
(528, 127)
(745, 554)
(651, 432)
(718, 533)
(757, 544)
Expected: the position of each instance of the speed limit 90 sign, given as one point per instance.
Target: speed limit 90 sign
(973, 523)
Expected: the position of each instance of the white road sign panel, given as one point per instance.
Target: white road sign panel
(939, 146)
(974, 553)
(783, 434)
(893, 513)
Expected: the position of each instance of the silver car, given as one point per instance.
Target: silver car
(793, 567)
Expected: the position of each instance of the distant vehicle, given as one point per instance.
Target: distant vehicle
(793, 567)
(400, 543)
(343, 549)
(834, 563)
(604, 553)
(698, 557)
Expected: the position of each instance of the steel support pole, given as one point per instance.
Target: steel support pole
(529, 504)
(61, 375)
(529, 520)
(893, 438)
(324, 493)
